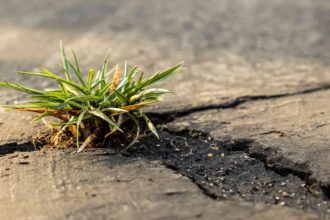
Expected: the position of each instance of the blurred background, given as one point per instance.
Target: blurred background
(231, 48)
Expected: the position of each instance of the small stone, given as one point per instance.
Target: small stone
(282, 203)
(210, 155)
(285, 194)
(277, 198)
(222, 155)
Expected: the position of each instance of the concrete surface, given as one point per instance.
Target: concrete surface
(234, 52)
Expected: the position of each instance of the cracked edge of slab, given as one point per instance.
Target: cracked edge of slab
(55, 184)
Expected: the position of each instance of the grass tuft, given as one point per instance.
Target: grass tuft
(98, 108)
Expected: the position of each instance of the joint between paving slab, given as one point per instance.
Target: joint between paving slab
(170, 116)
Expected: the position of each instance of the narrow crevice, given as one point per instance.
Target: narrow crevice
(169, 116)
(16, 147)
(326, 191)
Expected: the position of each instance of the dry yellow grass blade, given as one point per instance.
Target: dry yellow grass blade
(139, 105)
(87, 142)
(111, 132)
(73, 130)
(115, 80)
(37, 110)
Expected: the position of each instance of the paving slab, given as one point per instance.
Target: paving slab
(291, 131)
(17, 127)
(233, 51)
(55, 184)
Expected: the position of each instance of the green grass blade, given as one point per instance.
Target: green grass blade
(151, 126)
(42, 115)
(161, 75)
(91, 74)
(104, 69)
(21, 88)
(103, 116)
(121, 97)
(136, 135)
(131, 75)
(48, 74)
(77, 73)
(64, 61)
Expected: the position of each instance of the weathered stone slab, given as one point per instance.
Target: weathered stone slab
(231, 49)
(95, 185)
(16, 127)
(295, 130)
(218, 68)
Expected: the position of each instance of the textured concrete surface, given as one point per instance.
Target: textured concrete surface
(234, 51)
(295, 129)
(95, 185)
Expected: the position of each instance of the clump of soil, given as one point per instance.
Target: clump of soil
(231, 173)
(95, 133)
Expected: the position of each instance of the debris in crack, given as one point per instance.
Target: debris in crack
(227, 171)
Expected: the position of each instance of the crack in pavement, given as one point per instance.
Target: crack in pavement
(170, 116)
(16, 147)
(231, 169)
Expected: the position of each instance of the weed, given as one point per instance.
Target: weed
(99, 108)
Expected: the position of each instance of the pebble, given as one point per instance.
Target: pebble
(222, 155)
(282, 203)
(210, 155)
